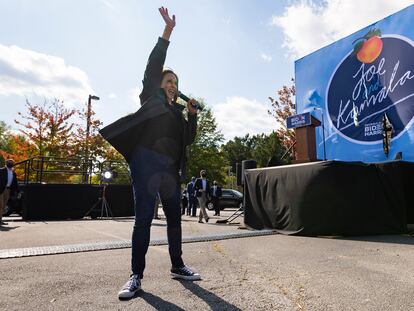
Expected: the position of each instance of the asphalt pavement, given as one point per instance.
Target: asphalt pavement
(273, 272)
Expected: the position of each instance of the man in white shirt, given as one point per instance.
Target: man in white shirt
(8, 186)
(202, 188)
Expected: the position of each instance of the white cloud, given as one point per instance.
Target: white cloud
(226, 21)
(308, 26)
(266, 57)
(109, 4)
(26, 72)
(133, 96)
(112, 96)
(239, 116)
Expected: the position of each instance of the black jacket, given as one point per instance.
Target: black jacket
(199, 186)
(14, 188)
(218, 192)
(191, 189)
(124, 134)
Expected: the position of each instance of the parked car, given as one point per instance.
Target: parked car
(230, 198)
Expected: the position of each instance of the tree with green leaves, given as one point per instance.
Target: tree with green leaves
(205, 153)
(260, 147)
(4, 141)
(4, 135)
(266, 147)
(237, 150)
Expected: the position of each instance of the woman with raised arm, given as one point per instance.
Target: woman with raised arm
(153, 141)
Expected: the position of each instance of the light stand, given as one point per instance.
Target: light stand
(105, 210)
(246, 164)
(107, 176)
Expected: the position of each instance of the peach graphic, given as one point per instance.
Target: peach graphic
(369, 47)
(370, 50)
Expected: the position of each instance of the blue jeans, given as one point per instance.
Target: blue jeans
(154, 173)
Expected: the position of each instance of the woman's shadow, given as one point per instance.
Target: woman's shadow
(215, 302)
(8, 228)
(212, 300)
(157, 302)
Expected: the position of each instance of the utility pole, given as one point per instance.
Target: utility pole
(88, 129)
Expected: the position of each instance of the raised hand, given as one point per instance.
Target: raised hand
(169, 22)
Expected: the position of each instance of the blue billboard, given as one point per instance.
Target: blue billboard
(358, 83)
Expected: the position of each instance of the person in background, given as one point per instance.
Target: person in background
(157, 205)
(202, 188)
(184, 202)
(192, 199)
(8, 186)
(215, 196)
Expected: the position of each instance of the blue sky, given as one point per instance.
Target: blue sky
(234, 54)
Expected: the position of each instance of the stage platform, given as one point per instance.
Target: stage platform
(331, 198)
(73, 201)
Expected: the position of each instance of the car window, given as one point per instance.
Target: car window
(238, 193)
(226, 193)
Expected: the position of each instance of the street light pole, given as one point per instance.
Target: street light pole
(88, 129)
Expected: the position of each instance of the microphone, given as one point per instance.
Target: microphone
(187, 99)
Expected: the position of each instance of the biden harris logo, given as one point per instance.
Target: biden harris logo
(374, 80)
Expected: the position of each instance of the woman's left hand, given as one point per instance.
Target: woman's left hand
(169, 22)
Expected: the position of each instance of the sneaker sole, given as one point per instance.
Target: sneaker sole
(128, 295)
(195, 277)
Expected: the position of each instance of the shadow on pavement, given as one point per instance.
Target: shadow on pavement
(122, 219)
(158, 224)
(7, 228)
(395, 239)
(156, 302)
(215, 302)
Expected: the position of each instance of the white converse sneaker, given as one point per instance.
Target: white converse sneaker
(130, 288)
(185, 273)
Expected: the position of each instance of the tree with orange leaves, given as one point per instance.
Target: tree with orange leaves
(49, 127)
(95, 143)
(282, 108)
(18, 148)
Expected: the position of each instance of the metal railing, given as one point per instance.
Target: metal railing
(66, 170)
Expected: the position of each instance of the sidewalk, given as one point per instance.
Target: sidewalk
(19, 233)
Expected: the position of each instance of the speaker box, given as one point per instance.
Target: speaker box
(246, 165)
(238, 174)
